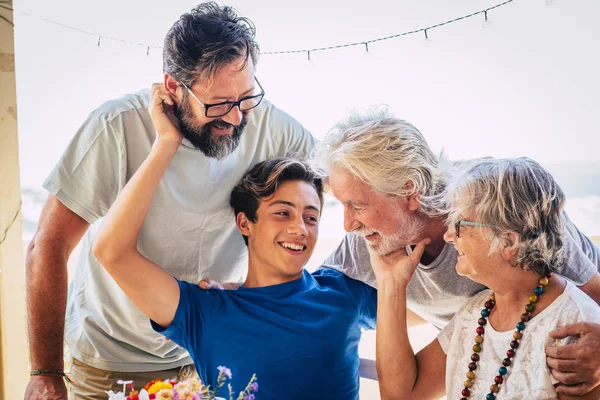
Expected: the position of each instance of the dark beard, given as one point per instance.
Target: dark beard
(214, 146)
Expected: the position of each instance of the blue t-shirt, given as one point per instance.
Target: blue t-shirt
(300, 337)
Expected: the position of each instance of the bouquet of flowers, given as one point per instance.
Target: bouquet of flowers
(189, 389)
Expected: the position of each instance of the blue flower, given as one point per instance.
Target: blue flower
(254, 387)
(249, 397)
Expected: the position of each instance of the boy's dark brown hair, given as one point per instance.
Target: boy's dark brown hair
(264, 178)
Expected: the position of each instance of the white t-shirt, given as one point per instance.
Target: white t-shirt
(190, 229)
(529, 376)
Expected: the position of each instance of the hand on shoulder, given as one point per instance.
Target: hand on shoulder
(576, 366)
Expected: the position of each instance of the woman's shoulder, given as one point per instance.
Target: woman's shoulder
(578, 306)
(476, 302)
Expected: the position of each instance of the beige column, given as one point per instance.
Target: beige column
(14, 363)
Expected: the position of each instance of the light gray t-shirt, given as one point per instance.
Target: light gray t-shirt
(190, 229)
(436, 292)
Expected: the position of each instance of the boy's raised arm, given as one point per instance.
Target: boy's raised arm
(154, 291)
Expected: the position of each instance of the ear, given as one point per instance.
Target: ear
(172, 86)
(510, 246)
(243, 224)
(413, 201)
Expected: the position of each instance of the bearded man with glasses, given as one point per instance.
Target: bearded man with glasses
(217, 138)
(209, 61)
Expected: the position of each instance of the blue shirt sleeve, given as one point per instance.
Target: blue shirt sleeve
(366, 301)
(194, 311)
(364, 296)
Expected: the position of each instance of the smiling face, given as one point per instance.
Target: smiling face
(215, 137)
(388, 223)
(283, 236)
(473, 246)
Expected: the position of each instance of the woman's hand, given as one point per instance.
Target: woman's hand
(162, 111)
(398, 265)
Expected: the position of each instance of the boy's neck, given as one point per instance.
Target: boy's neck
(257, 277)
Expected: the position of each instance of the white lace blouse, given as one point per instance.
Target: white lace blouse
(529, 376)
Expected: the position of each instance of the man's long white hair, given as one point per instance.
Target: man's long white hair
(388, 154)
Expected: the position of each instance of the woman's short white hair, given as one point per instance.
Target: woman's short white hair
(388, 154)
(512, 195)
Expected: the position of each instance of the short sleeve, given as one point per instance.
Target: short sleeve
(352, 259)
(194, 311)
(580, 307)
(445, 335)
(92, 169)
(366, 301)
(582, 257)
(296, 141)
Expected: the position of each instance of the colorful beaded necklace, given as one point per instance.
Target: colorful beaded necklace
(517, 335)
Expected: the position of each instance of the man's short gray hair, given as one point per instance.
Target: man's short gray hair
(205, 39)
(388, 154)
(512, 195)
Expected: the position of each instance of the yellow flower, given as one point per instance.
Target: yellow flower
(159, 386)
(164, 394)
(197, 386)
(192, 386)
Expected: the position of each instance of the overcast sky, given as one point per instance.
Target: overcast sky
(526, 85)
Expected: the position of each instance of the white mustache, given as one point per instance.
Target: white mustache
(364, 231)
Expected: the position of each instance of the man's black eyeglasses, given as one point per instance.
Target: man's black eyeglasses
(220, 109)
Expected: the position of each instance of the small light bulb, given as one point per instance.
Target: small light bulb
(366, 52)
(486, 22)
(427, 39)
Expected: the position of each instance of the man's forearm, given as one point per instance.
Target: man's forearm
(396, 364)
(46, 302)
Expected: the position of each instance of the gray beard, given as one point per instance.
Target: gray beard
(201, 137)
(411, 231)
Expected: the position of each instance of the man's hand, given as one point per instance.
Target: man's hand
(46, 387)
(207, 283)
(162, 110)
(576, 366)
(398, 265)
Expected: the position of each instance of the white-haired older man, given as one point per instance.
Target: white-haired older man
(387, 178)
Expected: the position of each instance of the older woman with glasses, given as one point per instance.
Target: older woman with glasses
(505, 219)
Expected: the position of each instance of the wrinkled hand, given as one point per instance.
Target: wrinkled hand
(576, 366)
(398, 265)
(207, 283)
(42, 387)
(162, 111)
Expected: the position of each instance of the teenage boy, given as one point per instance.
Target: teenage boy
(298, 332)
